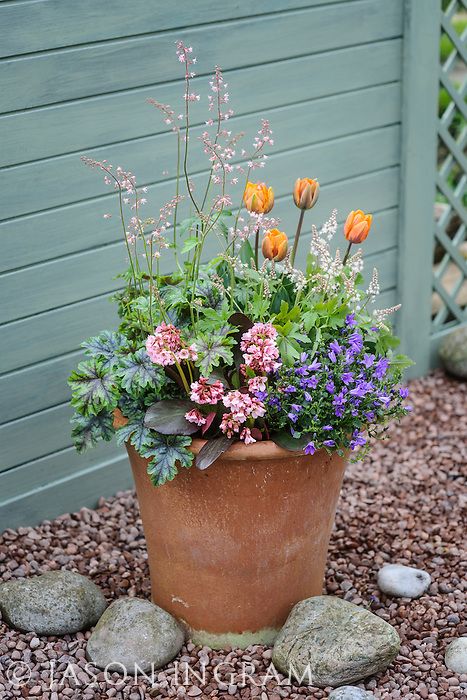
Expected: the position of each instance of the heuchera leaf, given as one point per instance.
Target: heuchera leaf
(105, 347)
(87, 430)
(93, 388)
(168, 417)
(167, 451)
(211, 350)
(284, 439)
(212, 450)
(137, 372)
(136, 433)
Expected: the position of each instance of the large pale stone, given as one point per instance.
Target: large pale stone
(55, 603)
(327, 641)
(350, 692)
(134, 633)
(456, 655)
(403, 581)
(453, 352)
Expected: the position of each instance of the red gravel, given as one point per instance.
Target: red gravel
(404, 504)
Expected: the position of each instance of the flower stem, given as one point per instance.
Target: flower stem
(256, 245)
(347, 253)
(297, 237)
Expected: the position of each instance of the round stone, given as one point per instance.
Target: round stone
(453, 352)
(403, 581)
(134, 635)
(327, 641)
(455, 657)
(350, 692)
(55, 603)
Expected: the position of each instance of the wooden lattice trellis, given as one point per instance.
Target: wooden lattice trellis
(450, 249)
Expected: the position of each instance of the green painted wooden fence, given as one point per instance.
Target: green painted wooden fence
(349, 90)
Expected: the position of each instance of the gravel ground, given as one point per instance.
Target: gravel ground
(403, 504)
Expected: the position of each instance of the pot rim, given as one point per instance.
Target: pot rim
(260, 450)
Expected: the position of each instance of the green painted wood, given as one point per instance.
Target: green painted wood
(37, 338)
(28, 25)
(44, 78)
(66, 462)
(38, 288)
(421, 33)
(149, 158)
(66, 495)
(91, 122)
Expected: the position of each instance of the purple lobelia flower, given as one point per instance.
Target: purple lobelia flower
(347, 377)
(330, 387)
(381, 367)
(355, 342)
(368, 360)
(357, 440)
(329, 443)
(310, 449)
(350, 320)
(315, 365)
(403, 392)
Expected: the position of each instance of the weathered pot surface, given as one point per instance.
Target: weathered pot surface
(231, 549)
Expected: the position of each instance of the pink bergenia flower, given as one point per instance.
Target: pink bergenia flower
(259, 348)
(246, 436)
(229, 425)
(203, 392)
(195, 416)
(257, 384)
(243, 405)
(165, 347)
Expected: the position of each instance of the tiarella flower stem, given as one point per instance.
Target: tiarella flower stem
(297, 237)
(256, 245)
(347, 253)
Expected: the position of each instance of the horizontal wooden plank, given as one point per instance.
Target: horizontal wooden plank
(83, 488)
(52, 284)
(27, 25)
(27, 341)
(84, 124)
(56, 332)
(35, 436)
(67, 74)
(43, 385)
(67, 180)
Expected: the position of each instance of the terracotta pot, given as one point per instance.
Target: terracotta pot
(231, 549)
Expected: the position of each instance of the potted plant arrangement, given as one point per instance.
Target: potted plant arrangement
(239, 385)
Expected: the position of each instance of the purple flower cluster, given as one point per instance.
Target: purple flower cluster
(333, 398)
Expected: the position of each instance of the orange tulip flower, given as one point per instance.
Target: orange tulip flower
(258, 198)
(305, 192)
(275, 245)
(357, 226)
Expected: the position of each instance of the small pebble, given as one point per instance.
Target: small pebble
(403, 581)
(350, 692)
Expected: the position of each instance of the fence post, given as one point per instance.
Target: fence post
(417, 181)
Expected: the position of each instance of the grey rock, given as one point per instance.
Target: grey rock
(350, 692)
(453, 352)
(55, 603)
(455, 657)
(327, 641)
(403, 581)
(134, 632)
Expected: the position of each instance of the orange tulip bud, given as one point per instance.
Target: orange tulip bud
(305, 192)
(258, 198)
(275, 245)
(357, 226)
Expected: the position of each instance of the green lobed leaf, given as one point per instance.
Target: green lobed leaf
(105, 347)
(137, 371)
(87, 430)
(167, 452)
(136, 433)
(212, 350)
(93, 388)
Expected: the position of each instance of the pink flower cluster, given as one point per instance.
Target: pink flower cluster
(166, 347)
(195, 416)
(243, 406)
(259, 348)
(202, 392)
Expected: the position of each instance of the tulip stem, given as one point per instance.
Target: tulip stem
(297, 236)
(256, 245)
(347, 253)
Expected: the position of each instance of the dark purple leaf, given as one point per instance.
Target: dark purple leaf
(212, 450)
(168, 417)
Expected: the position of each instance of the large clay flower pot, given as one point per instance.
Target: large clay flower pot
(231, 549)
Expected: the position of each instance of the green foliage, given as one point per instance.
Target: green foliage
(212, 350)
(88, 430)
(166, 454)
(138, 372)
(94, 388)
